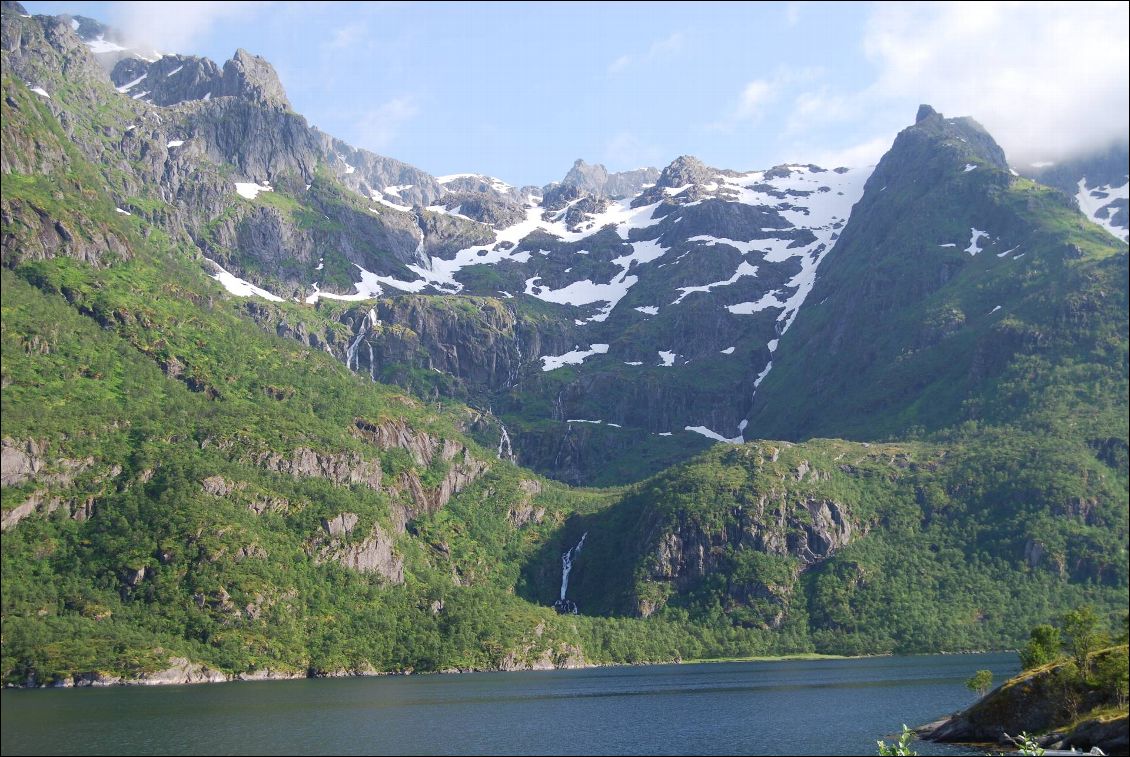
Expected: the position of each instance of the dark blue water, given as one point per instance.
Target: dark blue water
(788, 707)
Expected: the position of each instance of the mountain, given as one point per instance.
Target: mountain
(267, 397)
(963, 295)
(1100, 183)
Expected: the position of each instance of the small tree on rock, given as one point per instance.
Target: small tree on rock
(1044, 643)
(1081, 629)
(980, 682)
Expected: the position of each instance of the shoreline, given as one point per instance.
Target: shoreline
(185, 673)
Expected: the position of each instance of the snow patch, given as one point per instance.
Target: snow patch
(130, 85)
(575, 357)
(648, 309)
(969, 167)
(251, 189)
(975, 237)
(41, 91)
(238, 286)
(728, 351)
(369, 287)
(175, 143)
(1097, 203)
(378, 198)
(668, 359)
(761, 376)
(768, 300)
(744, 269)
(713, 434)
(123, 212)
(102, 45)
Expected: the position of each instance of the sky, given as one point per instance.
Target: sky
(521, 90)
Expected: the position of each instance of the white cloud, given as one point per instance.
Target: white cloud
(660, 49)
(619, 64)
(753, 99)
(1047, 80)
(792, 14)
(176, 27)
(378, 127)
(346, 37)
(627, 151)
(758, 95)
(864, 153)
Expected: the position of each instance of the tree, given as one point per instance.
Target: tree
(1081, 627)
(980, 682)
(1043, 646)
(901, 748)
(1112, 674)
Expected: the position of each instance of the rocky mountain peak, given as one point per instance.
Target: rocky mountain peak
(170, 79)
(924, 112)
(686, 169)
(10, 6)
(596, 180)
(935, 148)
(588, 178)
(252, 76)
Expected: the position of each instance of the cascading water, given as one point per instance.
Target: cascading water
(504, 444)
(351, 353)
(351, 361)
(563, 605)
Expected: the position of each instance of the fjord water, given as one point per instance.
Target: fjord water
(782, 707)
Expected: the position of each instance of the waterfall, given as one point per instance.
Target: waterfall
(567, 564)
(504, 442)
(351, 353)
(372, 363)
(351, 361)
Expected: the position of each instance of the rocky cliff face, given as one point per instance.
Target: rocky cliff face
(1048, 702)
(596, 181)
(680, 278)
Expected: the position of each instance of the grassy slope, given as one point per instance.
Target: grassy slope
(82, 350)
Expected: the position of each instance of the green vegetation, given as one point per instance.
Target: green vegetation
(1079, 696)
(1080, 629)
(1026, 744)
(1043, 647)
(186, 482)
(900, 747)
(980, 682)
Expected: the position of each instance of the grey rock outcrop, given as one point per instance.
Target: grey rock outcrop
(595, 180)
(460, 468)
(339, 468)
(31, 233)
(171, 79)
(181, 671)
(374, 554)
(251, 76)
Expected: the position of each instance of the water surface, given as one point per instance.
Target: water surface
(785, 707)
